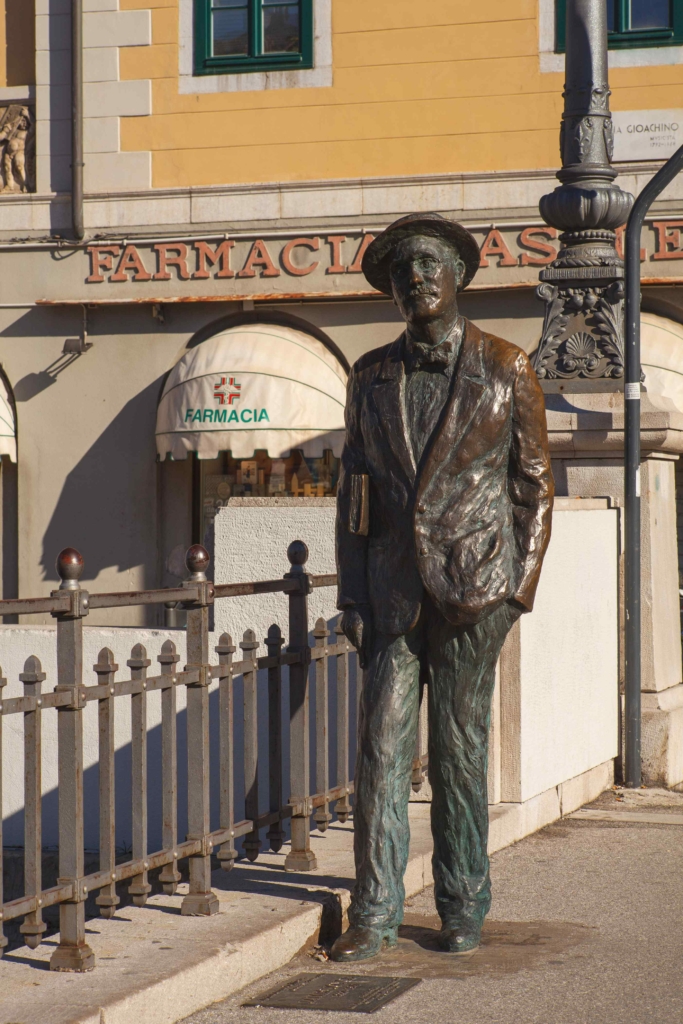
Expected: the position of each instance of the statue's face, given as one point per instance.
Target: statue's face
(425, 275)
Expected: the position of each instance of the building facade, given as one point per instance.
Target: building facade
(238, 157)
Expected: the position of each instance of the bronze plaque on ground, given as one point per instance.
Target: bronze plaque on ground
(350, 992)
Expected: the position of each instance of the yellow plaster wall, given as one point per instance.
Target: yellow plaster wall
(17, 42)
(435, 87)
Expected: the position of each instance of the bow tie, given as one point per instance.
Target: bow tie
(439, 356)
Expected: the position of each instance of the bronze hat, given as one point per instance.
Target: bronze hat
(378, 255)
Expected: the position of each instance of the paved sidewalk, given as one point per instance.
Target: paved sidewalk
(155, 966)
(586, 928)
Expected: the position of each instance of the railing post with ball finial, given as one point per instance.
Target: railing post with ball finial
(274, 642)
(200, 899)
(300, 857)
(72, 953)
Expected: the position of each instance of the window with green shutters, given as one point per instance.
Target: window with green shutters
(252, 35)
(633, 23)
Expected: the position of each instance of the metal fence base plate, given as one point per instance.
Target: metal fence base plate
(351, 992)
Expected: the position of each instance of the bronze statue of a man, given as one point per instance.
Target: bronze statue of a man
(444, 511)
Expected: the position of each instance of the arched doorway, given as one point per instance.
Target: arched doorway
(253, 409)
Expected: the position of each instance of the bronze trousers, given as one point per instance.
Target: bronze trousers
(458, 663)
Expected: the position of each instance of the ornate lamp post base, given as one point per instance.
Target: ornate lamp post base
(583, 337)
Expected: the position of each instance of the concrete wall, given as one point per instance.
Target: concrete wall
(252, 536)
(569, 654)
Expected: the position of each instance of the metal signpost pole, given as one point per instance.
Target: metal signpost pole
(642, 204)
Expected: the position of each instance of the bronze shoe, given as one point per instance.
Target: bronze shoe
(361, 943)
(463, 937)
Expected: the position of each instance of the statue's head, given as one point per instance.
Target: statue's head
(425, 276)
(422, 261)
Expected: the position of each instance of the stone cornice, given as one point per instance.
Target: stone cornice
(592, 425)
(491, 198)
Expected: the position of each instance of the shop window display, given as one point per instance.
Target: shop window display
(261, 476)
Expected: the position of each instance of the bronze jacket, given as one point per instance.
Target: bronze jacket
(471, 528)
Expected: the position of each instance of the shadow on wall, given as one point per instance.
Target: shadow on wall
(107, 507)
(13, 825)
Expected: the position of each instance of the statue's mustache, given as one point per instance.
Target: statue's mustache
(422, 289)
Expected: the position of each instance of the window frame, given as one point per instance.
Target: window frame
(623, 38)
(205, 63)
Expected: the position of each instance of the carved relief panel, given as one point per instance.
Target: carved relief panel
(17, 148)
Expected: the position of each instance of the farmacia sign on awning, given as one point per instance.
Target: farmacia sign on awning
(259, 386)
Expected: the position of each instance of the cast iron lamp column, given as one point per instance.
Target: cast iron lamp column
(583, 288)
(582, 347)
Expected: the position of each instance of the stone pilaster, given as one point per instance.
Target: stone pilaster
(586, 434)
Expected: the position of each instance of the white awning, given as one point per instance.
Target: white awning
(256, 386)
(8, 427)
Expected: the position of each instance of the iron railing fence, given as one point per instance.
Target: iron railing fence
(70, 605)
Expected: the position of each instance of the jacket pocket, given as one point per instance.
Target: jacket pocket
(470, 555)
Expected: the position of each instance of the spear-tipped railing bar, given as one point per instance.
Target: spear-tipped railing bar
(632, 700)
(249, 644)
(322, 816)
(105, 669)
(227, 855)
(138, 663)
(168, 659)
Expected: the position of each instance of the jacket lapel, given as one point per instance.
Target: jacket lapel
(388, 397)
(467, 392)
